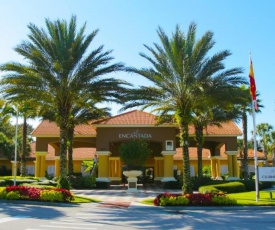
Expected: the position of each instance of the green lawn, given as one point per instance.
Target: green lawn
(249, 198)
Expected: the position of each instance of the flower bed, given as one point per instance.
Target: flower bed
(197, 199)
(37, 194)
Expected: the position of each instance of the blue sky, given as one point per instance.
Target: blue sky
(125, 25)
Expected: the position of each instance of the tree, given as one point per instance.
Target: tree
(244, 108)
(80, 114)
(263, 130)
(59, 72)
(182, 70)
(6, 130)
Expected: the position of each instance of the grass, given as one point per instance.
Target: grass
(249, 198)
(80, 199)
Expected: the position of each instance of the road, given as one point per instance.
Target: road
(23, 216)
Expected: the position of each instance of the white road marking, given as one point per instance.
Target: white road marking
(6, 219)
(71, 227)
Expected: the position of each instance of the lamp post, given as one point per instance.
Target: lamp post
(15, 148)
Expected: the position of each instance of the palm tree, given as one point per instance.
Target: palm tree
(59, 72)
(80, 114)
(6, 130)
(181, 72)
(213, 114)
(244, 107)
(263, 130)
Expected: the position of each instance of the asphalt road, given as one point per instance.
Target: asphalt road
(23, 216)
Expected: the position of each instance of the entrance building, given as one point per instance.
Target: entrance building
(104, 137)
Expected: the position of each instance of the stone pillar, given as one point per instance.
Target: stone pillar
(213, 168)
(57, 166)
(40, 165)
(14, 167)
(218, 163)
(232, 165)
(115, 171)
(168, 166)
(158, 168)
(37, 166)
(103, 166)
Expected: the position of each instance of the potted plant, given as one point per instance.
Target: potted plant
(134, 155)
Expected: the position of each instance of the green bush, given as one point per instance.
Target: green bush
(208, 189)
(63, 183)
(89, 182)
(51, 195)
(223, 200)
(82, 182)
(173, 200)
(171, 185)
(102, 185)
(3, 193)
(230, 187)
(13, 195)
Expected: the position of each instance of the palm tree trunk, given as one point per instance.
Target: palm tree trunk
(70, 150)
(187, 184)
(64, 125)
(200, 140)
(24, 147)
(244, 165)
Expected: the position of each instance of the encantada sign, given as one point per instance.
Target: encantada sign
(135, 134)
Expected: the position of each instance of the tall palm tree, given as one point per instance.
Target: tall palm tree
(60, 71)
(182, 70)
(81, 114)
(6, 130)
(215, 114)
(244, 108)
(263, 130)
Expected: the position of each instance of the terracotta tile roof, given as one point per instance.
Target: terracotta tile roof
(79, 153)
(250, 154)
(227, 128)
(193, 153)
(48, 128)
(134, 117)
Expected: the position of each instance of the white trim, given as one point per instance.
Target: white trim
(103, 179)
(166, 179)
(230, 153)
(115, 178)
(167, 153)
(103, 153)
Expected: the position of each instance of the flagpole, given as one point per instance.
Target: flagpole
(254, 104)
(15, 148)
(255, 152)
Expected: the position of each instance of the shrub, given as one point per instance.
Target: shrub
(51, 195)
(208, 189)
(13, 195)
(171, 185)
(231, 187)
(63, 183)
(3, 193)
(199, 199)
(32, 193)
(89, 182)
(193, 199)
(78, 182)
(102, 184)
(221, 199)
